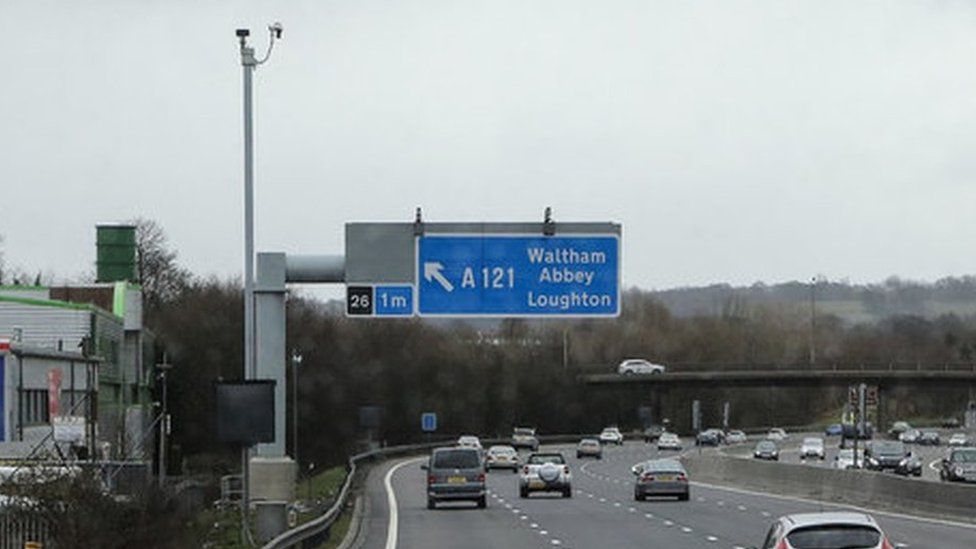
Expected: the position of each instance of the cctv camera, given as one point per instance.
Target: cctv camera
(276, 28)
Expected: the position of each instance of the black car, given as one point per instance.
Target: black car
(950, 423)
(884, 454)
(910, 465)
(708, 438)
(929, 437)
(652, 433)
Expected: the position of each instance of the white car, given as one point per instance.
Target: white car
(669, 441)
(633, 366)
(958, 439)
(836, 529)
(546, 472)
(611, 435)
(845, 459)
(502, 457)
(812, 447)
(735, 437)
(469, 441)
(777, 434)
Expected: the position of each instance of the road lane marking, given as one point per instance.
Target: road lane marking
(391, 502)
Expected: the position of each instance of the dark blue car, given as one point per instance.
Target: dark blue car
(834, 430)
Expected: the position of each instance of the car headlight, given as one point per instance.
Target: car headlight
(960, 472)
(872, 461)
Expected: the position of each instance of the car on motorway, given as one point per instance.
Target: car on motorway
(929, 437)
(469, 441)
(589, 447)
(652, 433)
(959, 465)
(950, 422)
(639, 366)
(845, 459)
(910, 436)
(864, 431)
(611, 435)
(897, 428)
(766, 449)
(546, 472)
(735, 436)
(834, 430)
(833, 530)
(813, 447)
(524, 437)
(910, 465)
(708, 437)
(455, 474)
(660, 477)
(884, 454)
(959, 439)
(669, 441)
(502, 457)
(777, 434)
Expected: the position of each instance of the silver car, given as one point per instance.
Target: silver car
(839, 530)
(589, 447)
(546, 472)
(660, 477)
(455, 474)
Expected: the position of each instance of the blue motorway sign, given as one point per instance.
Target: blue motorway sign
(508, 275)
(428, 422)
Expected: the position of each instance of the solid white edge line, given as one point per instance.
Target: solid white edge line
(391, 502)
(942, 522)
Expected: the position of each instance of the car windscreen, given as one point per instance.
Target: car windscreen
(501, 451)
(834, 537)
(813, 442)
(891, 448)
(456, 459)
(964, 456)
(765, 446)
(539, 459)
(524, 432)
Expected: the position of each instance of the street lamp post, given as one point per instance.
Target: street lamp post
(163, 420)
(813, 321)
(249, 63)
(296, 361)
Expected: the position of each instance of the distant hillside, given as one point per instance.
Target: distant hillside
(851, 302)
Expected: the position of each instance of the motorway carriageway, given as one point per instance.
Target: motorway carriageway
(602, 513)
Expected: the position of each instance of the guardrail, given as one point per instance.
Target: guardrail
(316, 526)
(868, 489)
(679, 367)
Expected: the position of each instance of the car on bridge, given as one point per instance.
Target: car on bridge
(660, 477)
(524, 437)
(546, 472)
(813, 447)
(639, 366)
(766, 449)
(611, 435)
(834, 530)
(959, 465)
(455, 474)
(881, 455)
(589, 447)
(669, 441)
(502, 457)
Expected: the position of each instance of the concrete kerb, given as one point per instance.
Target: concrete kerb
(885, 492)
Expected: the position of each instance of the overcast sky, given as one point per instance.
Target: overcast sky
(735, 141)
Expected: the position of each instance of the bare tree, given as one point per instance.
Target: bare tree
(161, 277)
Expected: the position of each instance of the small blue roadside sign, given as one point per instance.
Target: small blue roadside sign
(381, 300)
(428, 422)
(516, 275)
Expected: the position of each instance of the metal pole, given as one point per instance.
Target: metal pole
(162, 437)
(565, 349)
(248, 63)
(296, 360)
(813, 320)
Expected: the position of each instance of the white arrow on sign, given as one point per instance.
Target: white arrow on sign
(432, 270)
